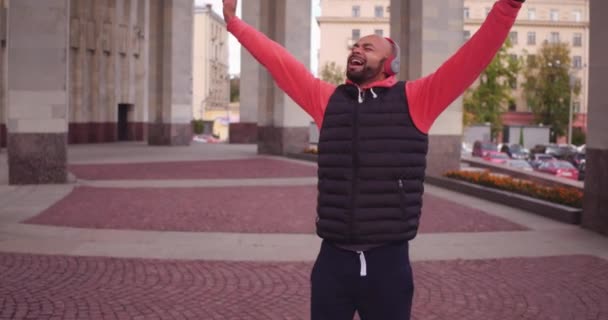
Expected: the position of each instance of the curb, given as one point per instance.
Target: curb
(543, 208)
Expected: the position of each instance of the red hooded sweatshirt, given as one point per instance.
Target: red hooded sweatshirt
(427, 96)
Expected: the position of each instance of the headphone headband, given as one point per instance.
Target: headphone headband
(393, 64)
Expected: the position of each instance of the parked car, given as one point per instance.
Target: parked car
(581, 170)
(466, 149)
(575, 158)
(519, 164)
(540, 158)
(515, 151)
(481, 149)
(559, 168)
(496, 157)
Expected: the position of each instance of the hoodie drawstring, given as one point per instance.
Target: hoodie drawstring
(373, 93)
(361, 93)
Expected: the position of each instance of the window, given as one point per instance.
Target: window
(577, 62)
(379, 32)
(466, 13)
(577, 40)
(554, 37)
(531, 14)
(554, 15)
(576, 15)
(512, 106)
(467, 35)
(513, 37)
(576, 105)
(379, 11)
(356, 11)
(531, 38)
(356, 34)
(531, 61)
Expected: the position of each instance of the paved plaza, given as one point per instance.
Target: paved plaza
(215, 231)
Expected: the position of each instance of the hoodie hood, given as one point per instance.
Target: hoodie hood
(386, 83)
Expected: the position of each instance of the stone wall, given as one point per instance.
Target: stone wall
(107, 68)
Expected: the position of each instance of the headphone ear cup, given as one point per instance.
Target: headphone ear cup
(395, 65)
(389, 66)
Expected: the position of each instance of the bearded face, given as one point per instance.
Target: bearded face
(365, 63)
(360, 70)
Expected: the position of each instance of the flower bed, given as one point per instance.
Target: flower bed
(562, 195)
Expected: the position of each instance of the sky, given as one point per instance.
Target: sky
(234, 47)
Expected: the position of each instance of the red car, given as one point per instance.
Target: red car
(559, 168)
(496, 157)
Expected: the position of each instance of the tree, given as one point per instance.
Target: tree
(548, 88)
(333, 73)
(235, 88)
(487, 101)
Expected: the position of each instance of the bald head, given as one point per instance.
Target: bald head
(383, 46)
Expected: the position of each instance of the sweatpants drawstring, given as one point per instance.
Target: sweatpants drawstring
(363, 271)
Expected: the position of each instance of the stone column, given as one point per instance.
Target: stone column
(170, 69)
(429, 32)
(253, 78)
(282, 125)
(595, 213)
(37, 91)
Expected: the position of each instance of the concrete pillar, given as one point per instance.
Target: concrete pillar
(170, 69)
(253, 79)
(281, 124)
(37, 90)
(595, 213)
(429, 32)
(2, 72)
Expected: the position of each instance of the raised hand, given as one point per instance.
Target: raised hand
(229, 9)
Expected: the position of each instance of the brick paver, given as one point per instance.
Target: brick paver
(233, 209)
(61, 287)
(209, 169)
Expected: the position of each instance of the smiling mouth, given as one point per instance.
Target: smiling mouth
(356, 62)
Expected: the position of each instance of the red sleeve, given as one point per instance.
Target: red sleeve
(430, 95)
(310, 93)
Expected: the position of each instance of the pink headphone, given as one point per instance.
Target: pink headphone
(393, 64)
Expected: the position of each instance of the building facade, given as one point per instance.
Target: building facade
(211, 81)
(342, 22)
(552, 21)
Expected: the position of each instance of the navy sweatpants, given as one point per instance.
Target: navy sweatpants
(377, 283)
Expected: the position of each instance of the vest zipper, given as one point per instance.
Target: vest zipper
(361, 96)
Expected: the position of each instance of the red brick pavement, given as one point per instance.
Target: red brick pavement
(60, 287)
(233, 209)
(212, 169)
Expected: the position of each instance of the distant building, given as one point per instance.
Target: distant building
(211, 82)
(343, 22)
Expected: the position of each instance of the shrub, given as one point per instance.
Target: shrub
(562, 195)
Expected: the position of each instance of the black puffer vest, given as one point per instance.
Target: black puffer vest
(371, 167)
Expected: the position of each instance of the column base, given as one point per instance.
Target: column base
(37, 158)
(444, 154)
(281, 141)
(169, 134)
(243, 132)
(595, 202)
(103, 132)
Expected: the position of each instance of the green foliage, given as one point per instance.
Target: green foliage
(235, 89)
(197, 126)
(521, 136)
(486, 102)
(578, 136)
(547, 87)
(333, 73)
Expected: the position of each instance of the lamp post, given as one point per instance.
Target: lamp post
(572, 84)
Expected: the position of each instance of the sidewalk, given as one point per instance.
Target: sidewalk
(218, 232)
